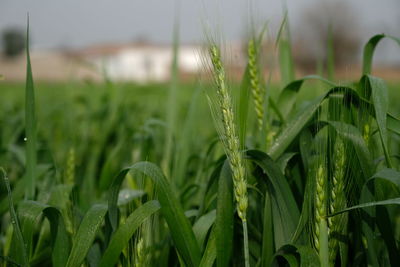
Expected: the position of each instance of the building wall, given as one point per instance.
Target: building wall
(146, 64)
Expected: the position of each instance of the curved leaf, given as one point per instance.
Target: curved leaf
(393, 124)
(268, 232)
(124, 233)
(299, 255)
(369, 49)
(21, 258)
(285, 212)
(293, 127)
(202, 225)
(224, 217)
(180, 228)
(210, 253)
(392, 201)
(287, 97)
(28, 214)
(380, 98)
(352, 134)
(86, 233)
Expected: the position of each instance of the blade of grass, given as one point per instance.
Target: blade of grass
(86, 233)
(287, 97)
(210, 253)
(172, 107)
(28, 213)
(380, 98)
(22, 257)
(203, 225)
(125, 232)
(30, 124)
(369, 50)
(285, 51)
(299, 120)
(181, 231)
(224, 219)
(353, 135)
(392, 201)
(268, 233)
(284, 208)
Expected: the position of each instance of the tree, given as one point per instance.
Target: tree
(324, 24)
(13, 41)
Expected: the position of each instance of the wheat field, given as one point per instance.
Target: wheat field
(215, 173)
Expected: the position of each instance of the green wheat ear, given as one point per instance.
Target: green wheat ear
(321, 228)
(256, 89)
(231, 142)
(139, 251)
(337, 223)
(320, 203)
(230, 138)
(70, 172)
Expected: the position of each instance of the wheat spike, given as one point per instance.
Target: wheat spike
(320, 203)
(232, 146)
(255, 83)
(231, 140)
(337, 197)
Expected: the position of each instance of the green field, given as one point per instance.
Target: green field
(301, 173)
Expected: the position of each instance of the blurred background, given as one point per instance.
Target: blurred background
(132, 40)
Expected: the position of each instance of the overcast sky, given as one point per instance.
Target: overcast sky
(79, 23)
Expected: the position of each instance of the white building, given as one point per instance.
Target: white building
(142, 62)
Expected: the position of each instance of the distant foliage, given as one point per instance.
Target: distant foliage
(13, 42)
(328, 24)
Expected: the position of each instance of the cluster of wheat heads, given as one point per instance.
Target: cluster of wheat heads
(310, 183)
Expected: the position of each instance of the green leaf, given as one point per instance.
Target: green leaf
(173, 105)
(202, 225)
(287, 97)
(224, 217)
(352, 134)
(125, 232)
(298, 255)
(380, 98)
(21, 258)
(285, 51)
(386, 174)
(293, 127)
(268, 232)
(287, 253)
(28, 213)
(30, 124)
(285, 212)
(392, 201)
(210, 253)
(179, 226)
(243, 105)
(393, 124)
(382, 217)
(283, 160)
(369, 50)
(86, 234)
